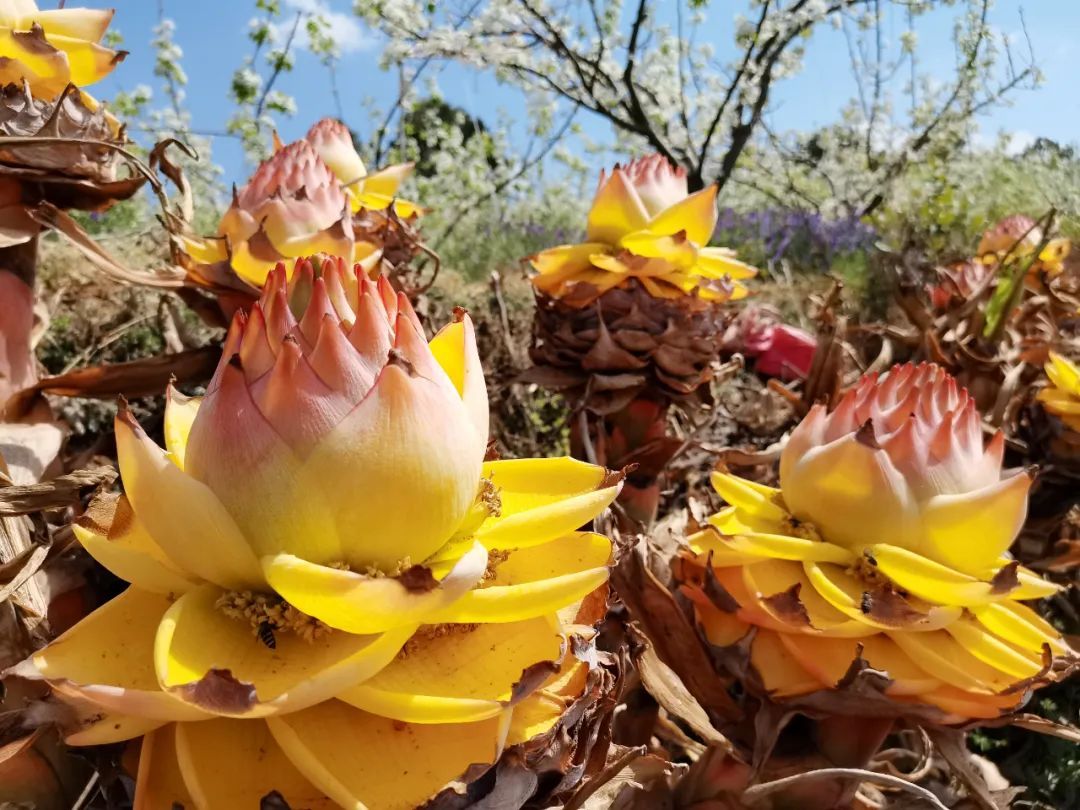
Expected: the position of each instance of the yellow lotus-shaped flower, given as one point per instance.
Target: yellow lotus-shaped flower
(333, 595)
(306, 198)
(644, 225)
(1062, 396)
(886, 540)
(50, 49)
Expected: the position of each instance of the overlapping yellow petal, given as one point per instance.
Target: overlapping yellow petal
(1062, 397)
(462, 676)
(645, 228)
(535, 581)
(118, 675)
(542, 499)
(159, 782)
(183, 516)
(229, 763)
(114, 536)
(362, 760)
(213, 662)
(363, 603)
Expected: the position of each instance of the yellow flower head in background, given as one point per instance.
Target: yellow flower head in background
(50, 49)
(645, 225)
(1062, 396)
(333, 595)
(887, 539)
(303, 200)
(1018, 236)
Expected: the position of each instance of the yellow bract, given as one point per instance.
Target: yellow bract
(645, 226)
(50, 49)
(413, 620)
(1062, 396)
(961, 643)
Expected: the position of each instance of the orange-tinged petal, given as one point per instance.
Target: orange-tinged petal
(235, 763)
(964, 706)
(113, 535)
(462, 677)
(216, 662)
(359, 603)
(830, 658)
(544, 498)
(159, 783)
(616, 210)
(362, 760)
(781, 674)
(535, 581)
(108, 659)
(696, 214)
(782, 589)
(944, 658)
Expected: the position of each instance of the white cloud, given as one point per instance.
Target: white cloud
(344, 26)
(1019, 140)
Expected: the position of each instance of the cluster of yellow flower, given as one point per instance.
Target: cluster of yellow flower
(337, 595)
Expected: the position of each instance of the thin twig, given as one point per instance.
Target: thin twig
(754, 794)
(279, 65)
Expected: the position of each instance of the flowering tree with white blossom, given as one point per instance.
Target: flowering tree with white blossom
(647, 68)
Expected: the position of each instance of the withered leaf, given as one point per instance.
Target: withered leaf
(220, 691)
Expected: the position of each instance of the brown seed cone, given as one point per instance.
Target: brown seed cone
(80, 173)
(624, 343)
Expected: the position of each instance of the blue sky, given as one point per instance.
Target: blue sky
(212, 34)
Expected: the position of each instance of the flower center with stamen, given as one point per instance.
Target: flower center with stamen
(488, 503)
(268, 614)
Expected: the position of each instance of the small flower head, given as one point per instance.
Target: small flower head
(645, 226)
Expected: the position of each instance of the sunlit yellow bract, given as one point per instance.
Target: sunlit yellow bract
(888, 535)
(333, 594)
(52, 48)
(302, 200)
(1062, 396)
(644, 225)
